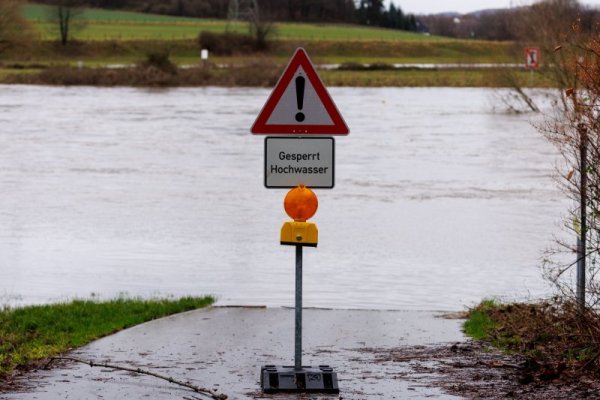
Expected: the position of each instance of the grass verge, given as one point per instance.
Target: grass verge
(34, 333)
(558, 341)
(321, 51)
(430, 78)
(480, 324)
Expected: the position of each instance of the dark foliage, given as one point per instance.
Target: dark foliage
(557, 338)
(226, 43)
(159, 60)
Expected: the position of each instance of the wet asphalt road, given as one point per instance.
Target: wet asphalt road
(224, 348)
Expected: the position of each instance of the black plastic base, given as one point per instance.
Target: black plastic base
(321, 379)
(298, 244)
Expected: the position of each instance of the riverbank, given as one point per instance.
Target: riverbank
(555, 344)
(263, 73)
(29, 335)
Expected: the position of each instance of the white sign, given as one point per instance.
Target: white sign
(293, 161)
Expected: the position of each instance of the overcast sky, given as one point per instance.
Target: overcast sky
(462, 6)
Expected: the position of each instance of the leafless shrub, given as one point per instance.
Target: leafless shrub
(14, 30)
(576, 134)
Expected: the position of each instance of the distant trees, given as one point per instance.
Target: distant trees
(514, 23)
(395, 18)
(310, 10)
(261, 27)
(67, 18)
(280, 10)
(13, 28)
(373, 12)
(370, 12)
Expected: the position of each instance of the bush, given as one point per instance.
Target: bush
(556, 337)
(226, 43)
(159, 60)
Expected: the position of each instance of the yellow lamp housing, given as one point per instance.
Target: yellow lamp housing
(299, 234)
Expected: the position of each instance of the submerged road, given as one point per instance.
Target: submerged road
(223, 348)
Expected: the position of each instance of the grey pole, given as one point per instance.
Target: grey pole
(298, 346)
(580, 274)
(581, 241)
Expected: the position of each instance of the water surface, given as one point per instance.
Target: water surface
(440, 199)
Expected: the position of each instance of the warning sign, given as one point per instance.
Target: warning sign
(532, 57)
(300, 104)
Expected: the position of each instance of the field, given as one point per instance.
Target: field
(99, 24)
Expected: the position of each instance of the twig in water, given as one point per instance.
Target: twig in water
(204, 391)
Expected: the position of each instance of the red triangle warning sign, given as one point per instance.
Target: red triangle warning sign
(300, 104)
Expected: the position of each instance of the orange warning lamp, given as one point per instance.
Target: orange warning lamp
(300, 204)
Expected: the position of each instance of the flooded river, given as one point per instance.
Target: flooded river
(440, 200)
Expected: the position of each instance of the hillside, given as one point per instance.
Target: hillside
(103, 24)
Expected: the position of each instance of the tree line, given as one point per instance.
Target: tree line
(514, 23)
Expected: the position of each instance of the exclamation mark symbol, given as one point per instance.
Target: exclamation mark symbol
(300, 81)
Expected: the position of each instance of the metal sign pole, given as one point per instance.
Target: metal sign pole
(581, 242)
(298, 344)
(299, 378)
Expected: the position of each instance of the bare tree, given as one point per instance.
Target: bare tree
(67, 16)
(576, 133)
(546, 24)
(260, 26)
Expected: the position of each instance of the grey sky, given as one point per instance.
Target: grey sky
(462, 6)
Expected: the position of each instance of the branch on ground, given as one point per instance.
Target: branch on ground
(204, 391)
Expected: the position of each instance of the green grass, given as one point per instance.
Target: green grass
(34, 333)
(106, 24)
(322, 52)
(428, 78)
(482, 325)
(479, 324)
(39, 12)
